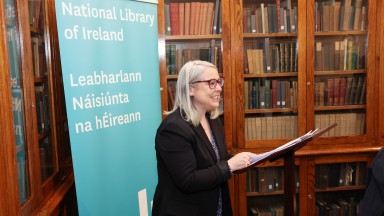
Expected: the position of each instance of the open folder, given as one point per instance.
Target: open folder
(293, 145)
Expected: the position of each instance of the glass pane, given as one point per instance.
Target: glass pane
(265, 190)
(192, 30)
(340, 187)
(17, 99)
(340, 66)
(41, 80)
(270, 69)
(179, 53)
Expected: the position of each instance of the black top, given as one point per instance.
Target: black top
(189, 175)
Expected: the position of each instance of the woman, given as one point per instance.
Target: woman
(192, 160)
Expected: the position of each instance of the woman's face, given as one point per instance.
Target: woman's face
(204, 98)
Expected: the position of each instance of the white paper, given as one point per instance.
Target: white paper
(261, 156)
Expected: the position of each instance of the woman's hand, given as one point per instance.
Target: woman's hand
(240, 161)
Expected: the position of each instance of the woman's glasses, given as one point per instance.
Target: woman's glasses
(212, 83)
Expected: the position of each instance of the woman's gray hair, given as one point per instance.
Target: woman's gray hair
(192, 71)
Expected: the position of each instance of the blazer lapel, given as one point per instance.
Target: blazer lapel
(201, 133)
(218, 137)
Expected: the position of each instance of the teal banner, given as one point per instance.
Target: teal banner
(110, 68)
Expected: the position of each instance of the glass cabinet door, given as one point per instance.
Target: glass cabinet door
(17, 100)
(270, 71)
(269, 112)
(42, 88)
(341, 66)
(339, 187)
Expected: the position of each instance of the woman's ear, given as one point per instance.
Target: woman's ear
(191, 91)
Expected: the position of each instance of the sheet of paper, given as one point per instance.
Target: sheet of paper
(261, 156)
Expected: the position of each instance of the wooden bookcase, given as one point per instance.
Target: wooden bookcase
(296, 57)
(39, 168)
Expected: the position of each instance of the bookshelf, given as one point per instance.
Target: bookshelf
(207, 38)
(281, 72)
(38, 143)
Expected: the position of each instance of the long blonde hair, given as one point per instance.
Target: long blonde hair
(192, 71)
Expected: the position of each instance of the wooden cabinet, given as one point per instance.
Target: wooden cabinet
(338, 183)
(291, 66)
(42, 164)
(317, 66)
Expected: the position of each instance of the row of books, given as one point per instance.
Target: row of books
(340, 207)
(270, 18)
(347, 123)
(270, 127)
(343, 15)
(273, 210)
(270, 93)
(347, 54)
(193, 18)
(38, 57)
(340, 175)
(267, 179)
(179, 54)
(263, 56)
(340, 91)
(42, 104)
(34, 9)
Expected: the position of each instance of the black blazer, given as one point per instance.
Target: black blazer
(372, 203)
(189, 175)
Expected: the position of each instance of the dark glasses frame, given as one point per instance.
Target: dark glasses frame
(212, 83)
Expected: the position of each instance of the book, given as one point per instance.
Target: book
(268, 94)
(203, 17)
(358, 90)
(330, 95)
(319, 57)
(167, 20)
(34, 9)
(262, 95)
(192, 18)
(343, 83)
(353, 90)
(210, 18)
(174, 18)
(187, 18)
(336, 91)
(348, 90)
(246, 95)
(197, 15)
(274, 93)
(216, 18)
(362, 95)
(255, 95)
